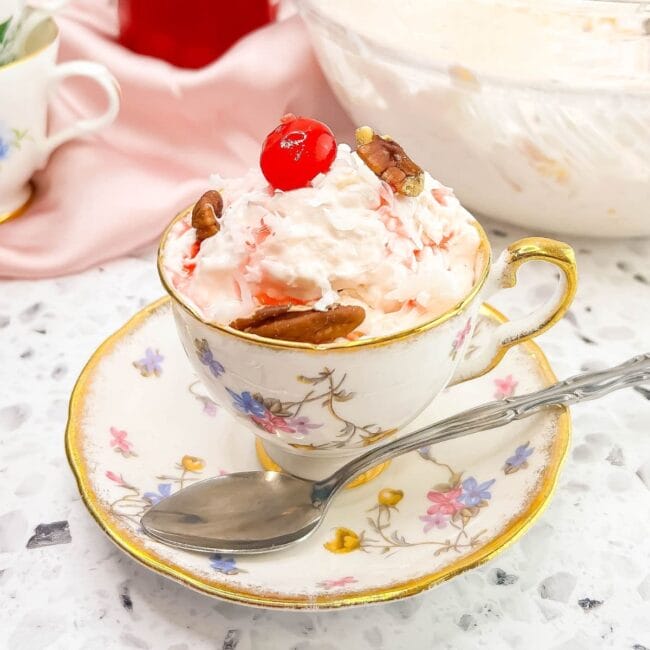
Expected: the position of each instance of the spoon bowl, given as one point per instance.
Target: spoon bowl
(244, 512)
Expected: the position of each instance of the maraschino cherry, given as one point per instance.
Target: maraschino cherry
(296, 151)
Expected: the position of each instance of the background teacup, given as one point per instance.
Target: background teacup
(18, 18)
(315, 406)
(25, 87)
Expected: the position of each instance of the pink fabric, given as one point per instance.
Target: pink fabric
(105, 195)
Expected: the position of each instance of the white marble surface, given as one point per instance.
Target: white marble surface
(593, 541)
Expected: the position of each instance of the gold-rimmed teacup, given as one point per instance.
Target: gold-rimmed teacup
(26, 87)
(314, 406)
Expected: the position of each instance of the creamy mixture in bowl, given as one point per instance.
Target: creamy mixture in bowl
(537, 112)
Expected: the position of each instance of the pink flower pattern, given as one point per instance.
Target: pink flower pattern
(434, 521)
(445, 503)
(505, 387)
(209, 406)
(301, 424)
(120, 443)
(460, 339)
(116, 478)
(272, 423)
(340, 582)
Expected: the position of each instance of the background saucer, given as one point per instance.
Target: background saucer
(141, 426)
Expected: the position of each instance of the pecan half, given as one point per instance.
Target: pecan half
(206, 213)
(389, 161)
(259, 317)
(308, 326)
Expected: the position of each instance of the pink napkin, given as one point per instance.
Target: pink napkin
(115, 191)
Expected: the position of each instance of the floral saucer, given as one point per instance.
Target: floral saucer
(141, 426)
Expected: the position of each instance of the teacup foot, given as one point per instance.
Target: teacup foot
(18, 206)
(321, 469)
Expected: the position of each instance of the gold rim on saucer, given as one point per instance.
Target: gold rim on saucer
(147, 556)
(14, 214)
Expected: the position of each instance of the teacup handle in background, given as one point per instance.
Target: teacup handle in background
(503, 275)
(105, 79)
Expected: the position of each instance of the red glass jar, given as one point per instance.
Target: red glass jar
(192, 33)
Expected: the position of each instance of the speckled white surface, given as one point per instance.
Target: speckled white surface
(593, 541)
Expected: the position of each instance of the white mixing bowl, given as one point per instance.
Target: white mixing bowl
(535, 112)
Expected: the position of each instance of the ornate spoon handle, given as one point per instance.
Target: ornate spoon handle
(579, 388)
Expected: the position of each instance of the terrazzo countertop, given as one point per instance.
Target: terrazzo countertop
(578, 580)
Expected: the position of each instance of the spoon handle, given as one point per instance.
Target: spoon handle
(579, 388)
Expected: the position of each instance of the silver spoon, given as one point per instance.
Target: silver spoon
(256, 512)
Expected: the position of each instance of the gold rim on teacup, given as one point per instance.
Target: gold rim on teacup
(521, 251)
(484, 250)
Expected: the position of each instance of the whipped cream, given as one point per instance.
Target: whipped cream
(345, 239)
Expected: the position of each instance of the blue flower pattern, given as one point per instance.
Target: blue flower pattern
(5, 148)
(10, 139)
(519, 460)
(520, 455)
(246, 403)
(150, 364)
(475, 492)
(226, 564)
(164, 490)
(204, 353)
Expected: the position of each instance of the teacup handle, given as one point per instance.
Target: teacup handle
(503, 275)
(101, 76)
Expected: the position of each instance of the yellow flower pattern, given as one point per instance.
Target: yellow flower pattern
(389, 497)
(344, 541)
(192, 463)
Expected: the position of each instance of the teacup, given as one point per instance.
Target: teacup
(315, 406)
(25, 87)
